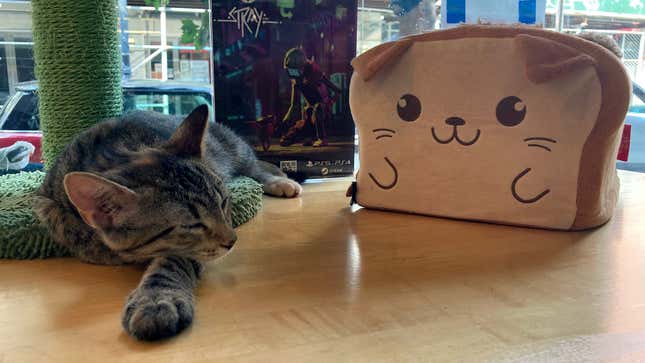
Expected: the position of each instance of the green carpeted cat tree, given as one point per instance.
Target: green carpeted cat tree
(78, 66)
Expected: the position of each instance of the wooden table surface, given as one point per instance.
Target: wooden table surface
(314, 280)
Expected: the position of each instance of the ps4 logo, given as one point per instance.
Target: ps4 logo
(247, 19)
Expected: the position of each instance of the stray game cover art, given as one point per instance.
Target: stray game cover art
(281, 75)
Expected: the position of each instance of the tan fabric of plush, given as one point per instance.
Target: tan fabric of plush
(508, 125)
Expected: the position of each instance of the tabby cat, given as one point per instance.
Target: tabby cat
(150, 188)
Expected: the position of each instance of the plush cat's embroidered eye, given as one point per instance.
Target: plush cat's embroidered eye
(408, 108)
(511, 111)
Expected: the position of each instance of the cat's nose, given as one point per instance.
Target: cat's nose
(229, 240)
(455, 121)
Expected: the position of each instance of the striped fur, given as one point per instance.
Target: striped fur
(162, 304)
(149, 188)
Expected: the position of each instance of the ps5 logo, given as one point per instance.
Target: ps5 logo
(248, 19)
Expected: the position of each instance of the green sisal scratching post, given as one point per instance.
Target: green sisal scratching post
(78, 66)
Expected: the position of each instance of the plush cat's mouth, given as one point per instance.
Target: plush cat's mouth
(455, 136)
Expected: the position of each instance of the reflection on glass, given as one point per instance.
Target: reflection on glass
(152, 38)
(156, 47)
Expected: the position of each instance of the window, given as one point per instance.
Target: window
(156, 51)
(24, 59)
(156, 48)
(153, 49)
(165, 102)
(4, 78)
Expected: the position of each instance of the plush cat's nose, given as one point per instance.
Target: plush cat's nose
(455, 121)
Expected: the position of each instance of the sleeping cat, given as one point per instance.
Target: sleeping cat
(150, 188)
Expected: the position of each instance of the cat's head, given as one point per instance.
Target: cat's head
(164, 201)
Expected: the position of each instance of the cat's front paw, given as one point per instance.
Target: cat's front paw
(283, 187)
(153, 315)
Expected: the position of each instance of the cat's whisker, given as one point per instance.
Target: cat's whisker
(383, 129)
(540, 146)
(388, 133)
(540, 139)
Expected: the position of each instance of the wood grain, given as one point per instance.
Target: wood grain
(312, 280)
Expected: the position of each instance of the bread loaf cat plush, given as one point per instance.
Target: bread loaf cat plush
(508, 125)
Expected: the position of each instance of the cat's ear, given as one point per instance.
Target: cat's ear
(547, 59)
(188, 139)
(371, 62)
(100, 202)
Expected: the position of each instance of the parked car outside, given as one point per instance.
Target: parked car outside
(20, 121)
(636, 118)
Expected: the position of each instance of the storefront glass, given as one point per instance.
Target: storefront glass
(157, 52)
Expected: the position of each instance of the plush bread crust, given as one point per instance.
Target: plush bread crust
(598, 182)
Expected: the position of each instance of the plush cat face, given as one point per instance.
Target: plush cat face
(477, 128)
(166, 201)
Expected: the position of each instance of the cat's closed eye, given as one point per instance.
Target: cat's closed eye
(224, 203)
(511, 111)
(408, 107)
